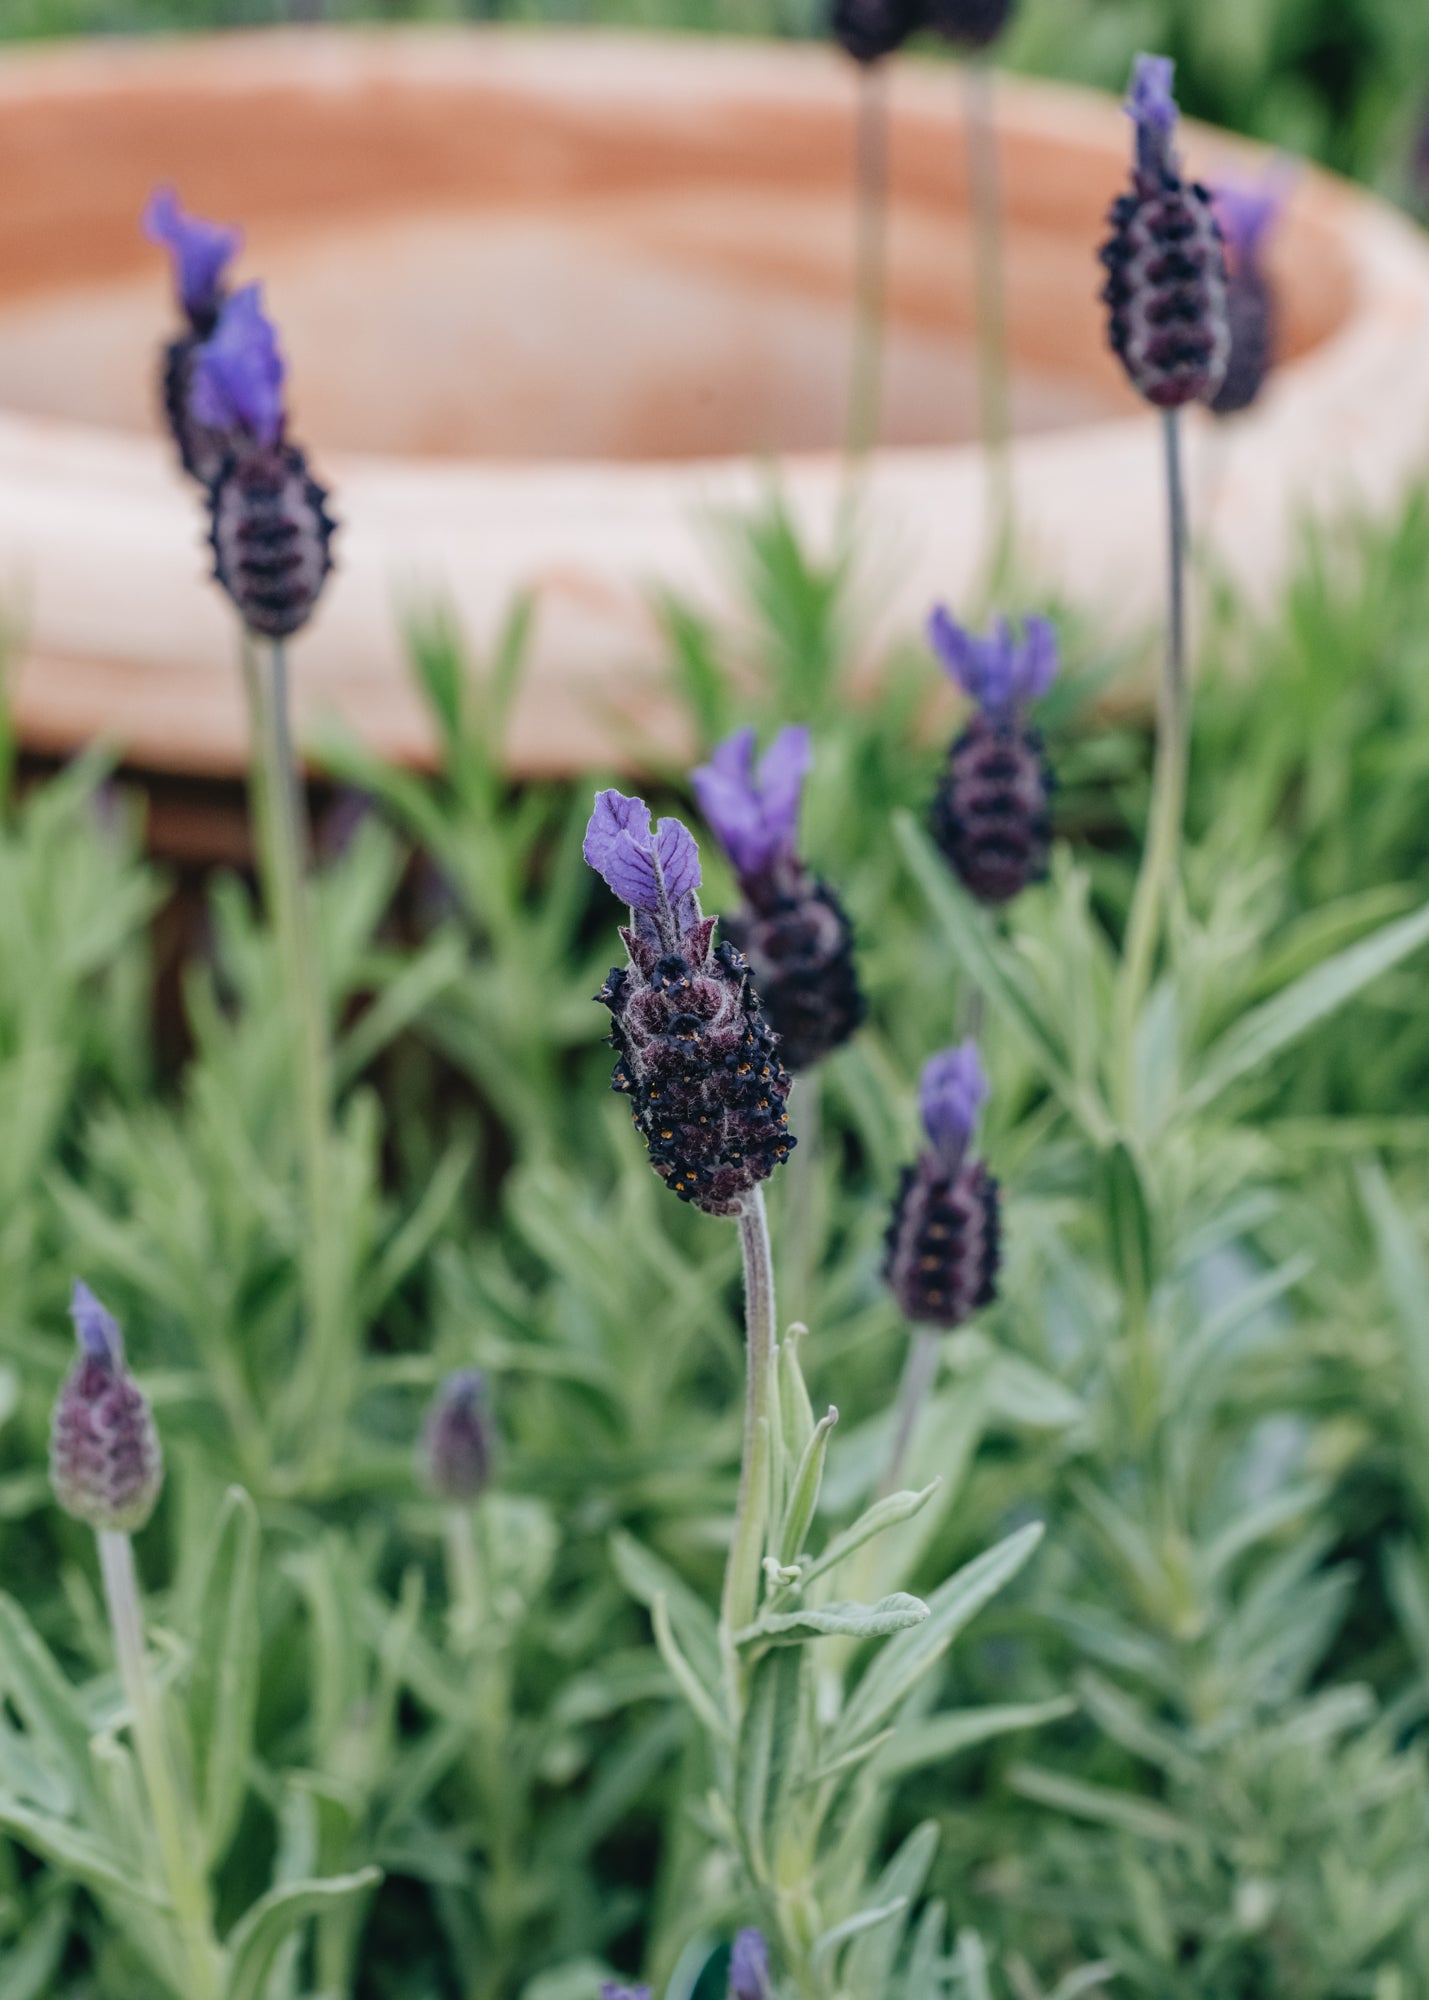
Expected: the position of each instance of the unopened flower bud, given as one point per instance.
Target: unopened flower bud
(869, 30)
(697, 1058)
(943, 1242)
(106, 1466)
(458, 1445)
(749, 1967)
(991, 815)
(1166, 282)
(792, 927)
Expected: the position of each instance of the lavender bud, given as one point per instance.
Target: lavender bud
(869, 30)
(1166, 283)
(1246, 216)
(792, 927)
(974, 24)
(696, 1056)
(749, 1967)
(105, 1463)
(458, 1444)
(991, 815)
(942, 1247)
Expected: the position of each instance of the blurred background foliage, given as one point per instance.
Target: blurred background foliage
(1342, 81)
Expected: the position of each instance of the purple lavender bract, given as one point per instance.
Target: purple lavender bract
(943, 1243)
(991, 815)
(792, 928)
(749, 1967)
(106, 1466)
(1246, 216)
(458, 1444)
(1166, 282)
(697, 1059)
(200, 253)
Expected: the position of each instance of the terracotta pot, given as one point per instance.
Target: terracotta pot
(547, 298)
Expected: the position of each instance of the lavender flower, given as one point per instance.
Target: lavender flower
(1246, 216)
(749, 1967)
(991, 815)
(271, 531)
(696, 1056)
(458, 1443)
(1166, 283)
(869, 30)
(792, 927)
(106, 1466)
(972, 24)
(200, 253)
(943, 1243)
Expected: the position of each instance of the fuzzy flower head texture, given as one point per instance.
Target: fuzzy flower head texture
(458, 1442)
(199, 251)
(754, 809)
(695, 1054)
(105, 1462)
(943, 1243)
(998, 671)
(237, 383)
(1165, 262)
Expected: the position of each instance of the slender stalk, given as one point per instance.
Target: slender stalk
(178, 1847)
(990, 306)
(865, 389)
(1168, 783)
(464, 1577)
(920, 1371)
(741, 1577)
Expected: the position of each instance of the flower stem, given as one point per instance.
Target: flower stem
(919, 1374)
(464, 1577)
(1168, 783)
(990, 306)
(741, 1577)
(865, 391)
(178, 1846)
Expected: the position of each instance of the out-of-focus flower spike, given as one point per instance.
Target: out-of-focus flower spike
(697, 1058)
(106, 1465)
(870, 30)
(943, 1244)
(1166, 268)
(749, 1967)
(1247, 215)
(969, 24)
(458, 1445)
(239, 372)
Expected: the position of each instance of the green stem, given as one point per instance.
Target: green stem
(178, 1844)
(741, 1578)
(919, 1374)
(865, 391)
(1168, 784)
(990, 306)
(464, 1579)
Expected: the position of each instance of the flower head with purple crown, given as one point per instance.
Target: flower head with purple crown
(991, 815)
(696, 1056)
(943, 1244)
(791, 925)
(200, 253)
(106, 1466)
(238, 373)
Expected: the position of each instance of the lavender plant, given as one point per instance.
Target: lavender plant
(1247, 216)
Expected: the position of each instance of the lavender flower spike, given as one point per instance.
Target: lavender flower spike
(943, 1244)
(200, 251)
(1247, 215)
(991, 815)
(458, 1445)
(749, 1967)
(696, 1056)
(106, 1466)
(791, 926)
(1166, 270)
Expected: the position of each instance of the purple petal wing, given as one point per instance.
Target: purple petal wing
(952, 1091)
(782, 771)
(1036, 660)
(200, 251)
(96, 1329)
(732, 810)
(1151, 100)
(238, 372)
(620, 848)
(678, 857)
(734, 758)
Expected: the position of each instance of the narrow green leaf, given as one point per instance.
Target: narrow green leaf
(257, 1938)
(804, 1489)
(76, 1854)
(766, 1752)
(847, 1621)
(896, 1669)
(223, 1684)
(703, 1700)
(1102, 1804)
(885, 1513)
(1262, 1033)
(646, 1577)
(868, 1968)
(796, 1412)
(934, 1740)
(831, 1942)
(44, 1701)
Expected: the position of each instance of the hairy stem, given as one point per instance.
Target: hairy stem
(865, 390)
(919, 1374)
(179, 1850)
(741, 1577)
(1168, 784)
(990, 305)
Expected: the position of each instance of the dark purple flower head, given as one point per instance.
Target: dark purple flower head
(969, 24)
(200, 252)
(754, 812)
(944, 1239)
(237, 381)
(998, 672)
(656, 871)
(458, 1442)
(749, 1967)
(952, 1092)
(105, 1463)
(1151, 106)
(869, 30)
